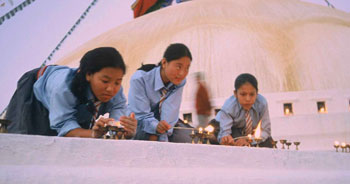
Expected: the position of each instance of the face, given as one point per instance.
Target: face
(176, 70)
(105, 83)
(246, 95)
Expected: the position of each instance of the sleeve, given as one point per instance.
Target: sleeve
(62, 111)
(118, 105)
(265, 123)
(140, 104)
(226, 123)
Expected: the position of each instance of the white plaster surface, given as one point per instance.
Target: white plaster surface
(40, 159)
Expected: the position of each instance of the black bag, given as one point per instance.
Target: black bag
(26, 113)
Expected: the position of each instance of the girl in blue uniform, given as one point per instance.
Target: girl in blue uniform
(155, 95)
(242, 112)
(75, 98)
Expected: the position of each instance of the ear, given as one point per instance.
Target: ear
(235, 93)
(88, 77)
(163, 63)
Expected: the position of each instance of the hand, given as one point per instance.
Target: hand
(98, 128)
(162, 127)
(130, 125)
(241, 142)
(227, 140)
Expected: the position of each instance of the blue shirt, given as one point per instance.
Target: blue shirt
(145, 93)
(233, 115)
(53, 91)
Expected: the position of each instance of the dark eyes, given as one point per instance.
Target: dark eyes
(179, 67)
(244, 94)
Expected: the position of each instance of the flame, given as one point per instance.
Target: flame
(209, 129)
(287, 111)
(322, 110)
(200, 130)
(336, 143)
(343, 144)
(185, 121)
(257, 133)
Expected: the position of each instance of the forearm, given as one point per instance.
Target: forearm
(79, 132)
(150, 125)
(226, 123)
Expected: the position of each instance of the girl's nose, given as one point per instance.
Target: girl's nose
(182, 73)
(109, 88)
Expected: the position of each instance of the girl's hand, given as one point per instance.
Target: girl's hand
(162, 127)
(98, 128)
(227, 140)
(130, 125)
(241, 142)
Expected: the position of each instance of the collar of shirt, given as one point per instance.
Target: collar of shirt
(158, 85)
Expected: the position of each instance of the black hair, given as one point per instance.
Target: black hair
(176, 51)
(246, 77)
(92, 62)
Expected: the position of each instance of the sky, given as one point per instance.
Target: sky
(28, 38)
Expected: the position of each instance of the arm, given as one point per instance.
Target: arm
(140, 104)
(265, 123)
(225, 137)
(61, 112)
(97, 130)
(226, 123)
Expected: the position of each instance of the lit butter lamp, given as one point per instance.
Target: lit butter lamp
(336, 145)
(343, 146)
(202, 134)
(209, 129)
(322, 110)
(114, 130)
(192, 135)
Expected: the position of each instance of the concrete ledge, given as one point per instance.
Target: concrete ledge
(33, 159)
